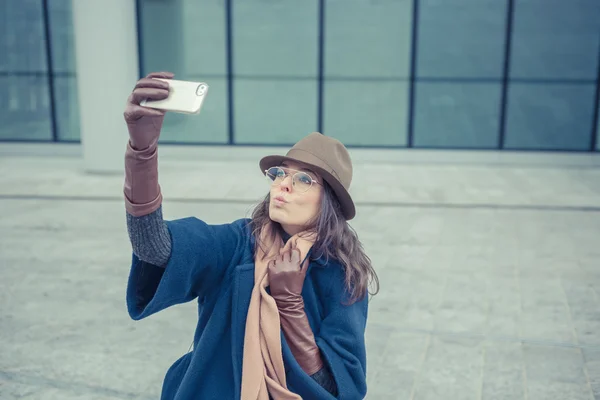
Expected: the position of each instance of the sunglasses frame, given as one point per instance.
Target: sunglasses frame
(296, 172)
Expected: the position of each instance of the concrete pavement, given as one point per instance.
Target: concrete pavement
(490, 276)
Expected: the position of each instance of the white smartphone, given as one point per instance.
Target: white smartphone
(184, 97)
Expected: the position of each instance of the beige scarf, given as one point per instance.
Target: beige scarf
(263, 371)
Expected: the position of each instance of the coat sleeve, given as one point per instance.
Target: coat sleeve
(200, 256)
(341, 340)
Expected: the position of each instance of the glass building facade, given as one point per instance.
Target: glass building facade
(462, 74)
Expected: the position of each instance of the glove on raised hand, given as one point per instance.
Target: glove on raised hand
(141, 188)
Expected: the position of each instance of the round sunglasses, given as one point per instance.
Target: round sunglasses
(301, 181)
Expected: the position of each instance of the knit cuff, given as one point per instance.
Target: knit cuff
(150, 238)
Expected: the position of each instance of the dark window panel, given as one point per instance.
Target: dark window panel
(184, 37)
(555, 39)
(461, 39)
(275, 38)
(367, 39)
(61, 33)
(22, 36)
(549, 116)
(66, 108)
(210, 126)
(598, 131)
(460, 115)
(274, 111)
(25, 108)
(367, 113)
(188, 39)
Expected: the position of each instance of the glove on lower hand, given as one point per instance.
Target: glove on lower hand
(286, 279)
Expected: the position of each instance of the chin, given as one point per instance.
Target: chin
(275, 214)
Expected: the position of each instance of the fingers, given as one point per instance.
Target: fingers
(135, 112)
(151, 83)
(148, 93)
(287, 256)
(163, 74)
(295, 256)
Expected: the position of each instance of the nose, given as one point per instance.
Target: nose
(286, 184)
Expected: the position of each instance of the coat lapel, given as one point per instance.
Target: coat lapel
(243, 282)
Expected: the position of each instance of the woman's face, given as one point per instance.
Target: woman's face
(291, 207)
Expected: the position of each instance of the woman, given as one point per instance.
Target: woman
(282, 297)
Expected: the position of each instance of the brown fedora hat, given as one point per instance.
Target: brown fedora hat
(326, 156)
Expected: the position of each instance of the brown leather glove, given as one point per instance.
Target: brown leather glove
(286, 279)
(141, 188)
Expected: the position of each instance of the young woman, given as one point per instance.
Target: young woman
(282, 296)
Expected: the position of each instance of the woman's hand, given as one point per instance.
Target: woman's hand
(286, 276)
(286, 279)
(144, 124)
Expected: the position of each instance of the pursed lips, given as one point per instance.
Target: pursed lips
(280, 199)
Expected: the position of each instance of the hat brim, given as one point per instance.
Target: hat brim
(348, 208)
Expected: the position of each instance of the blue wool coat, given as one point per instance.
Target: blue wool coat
(214, 264)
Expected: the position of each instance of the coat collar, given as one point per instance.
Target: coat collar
(319, 261)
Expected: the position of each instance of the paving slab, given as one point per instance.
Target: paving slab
(489, 278)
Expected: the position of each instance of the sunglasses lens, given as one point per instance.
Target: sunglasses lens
(275, 174)
(302, 182)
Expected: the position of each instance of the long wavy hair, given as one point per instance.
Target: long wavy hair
(336, 239)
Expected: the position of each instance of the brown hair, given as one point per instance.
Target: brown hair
(336, 239)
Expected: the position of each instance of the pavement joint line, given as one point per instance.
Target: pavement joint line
(479, 388)
(570, 314)
(400, 204)
(524, 378)
(524, 374)
(75, 387)
(591, 287)
(493, 338)
(419, 373)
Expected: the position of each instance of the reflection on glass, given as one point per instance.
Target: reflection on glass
(555, 39)
(63, 59)
(191, 44)
(274, 111)
(598, 131)
(61, 33)
(186, 37)
(210, 126)
(366, 113)
(25, 108)
(463, 115)
(203, 25)
(275, 70)
(461, 39)
(275, 38)
(543, 116)
(66, 108)
(367, 39)
(22, 42)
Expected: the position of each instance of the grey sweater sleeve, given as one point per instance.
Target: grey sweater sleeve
(150, 238)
